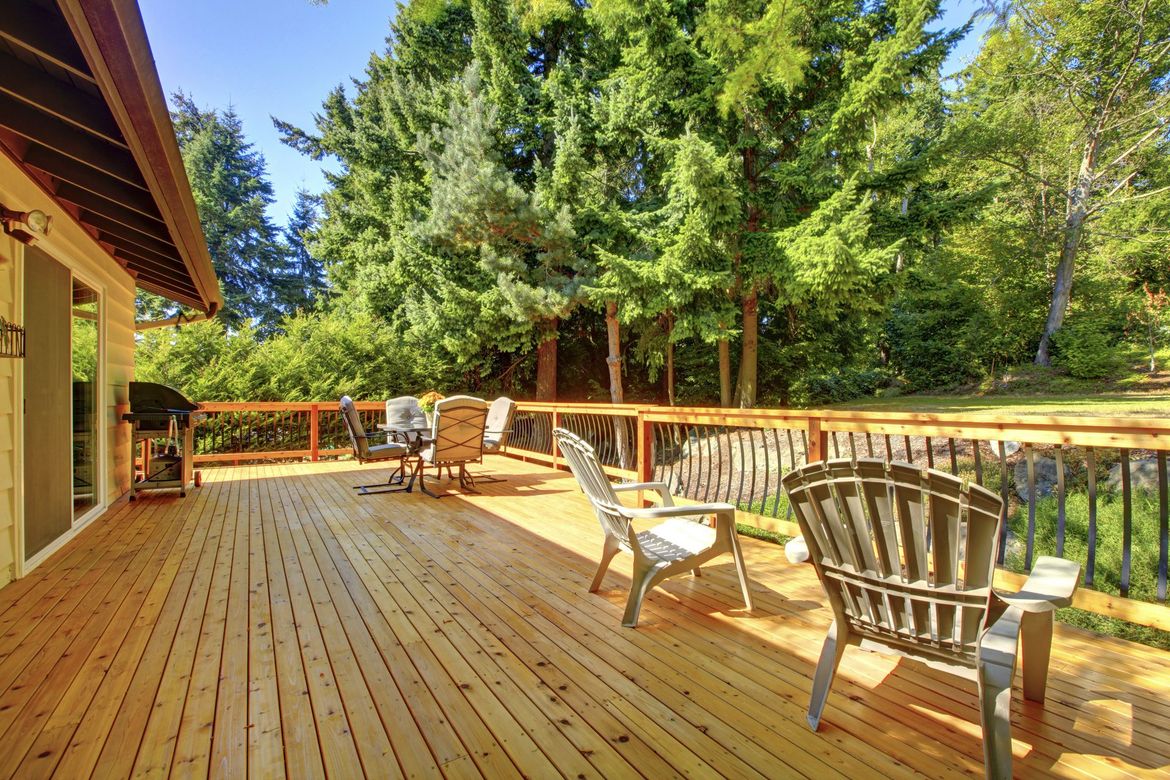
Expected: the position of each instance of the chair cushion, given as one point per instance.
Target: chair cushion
(491, 443)
(389, 450)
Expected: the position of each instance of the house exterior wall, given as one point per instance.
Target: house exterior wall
(69, 244)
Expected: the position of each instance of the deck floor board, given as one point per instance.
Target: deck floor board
(276, 623)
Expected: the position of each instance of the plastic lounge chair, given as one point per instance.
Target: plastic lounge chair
(907, 558)
(683, 543)
(365, 452)
(456, 440)
(497, 430)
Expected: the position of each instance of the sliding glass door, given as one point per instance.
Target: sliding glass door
(62, 401)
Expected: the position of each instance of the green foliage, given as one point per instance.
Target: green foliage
(1086, 349)
(842, 385)
(505, 169)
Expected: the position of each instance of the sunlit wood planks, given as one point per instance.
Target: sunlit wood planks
(275, 623)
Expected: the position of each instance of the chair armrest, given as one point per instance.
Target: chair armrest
(692, 510)
(1051, 584)
(659, 487)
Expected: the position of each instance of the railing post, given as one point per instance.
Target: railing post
(645, 452)
(314, 432)
(818, 440)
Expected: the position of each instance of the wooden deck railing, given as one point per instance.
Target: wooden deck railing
(1091, 489)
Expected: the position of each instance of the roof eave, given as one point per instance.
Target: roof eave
(113, 39)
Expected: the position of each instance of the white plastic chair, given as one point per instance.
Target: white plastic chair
(683, 543)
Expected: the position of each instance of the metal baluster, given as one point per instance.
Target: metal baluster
(1003, 494)
(852, 446)
(889, 449)
(1126, 522)
(954, 457)
(1060, 501)
(780, 466)
(742, 465)
(767, 470)
(752, 490)
(1163, 525)
(869, 442)
(720, 435)
(929, 452)
(1091, 467)
(909, 454)
(1030, 456)
(979, 463)
(836, 446)
(707, 471)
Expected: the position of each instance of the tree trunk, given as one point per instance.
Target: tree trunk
(1074, 226)
(546, 362)
(616, 393)
(724, 372)
(745, 392)
(670, 358)
(614, 360)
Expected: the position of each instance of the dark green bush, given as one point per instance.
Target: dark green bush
(1086, 349)
(843, 385)
(932, 333)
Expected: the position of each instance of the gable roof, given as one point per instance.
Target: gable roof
(83, 113)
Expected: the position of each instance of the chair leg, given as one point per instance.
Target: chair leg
(391, 485)
(1036, 647)
(610, 549)
(643, 582)
(741, 571)
(831, 652)
(995, 708)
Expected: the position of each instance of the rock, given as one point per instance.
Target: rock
(1143, 475)
(796, 551)
(1045, 477)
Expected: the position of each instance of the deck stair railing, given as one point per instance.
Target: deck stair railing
(1091, 489)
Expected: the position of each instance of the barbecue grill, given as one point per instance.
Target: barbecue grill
(161, 412)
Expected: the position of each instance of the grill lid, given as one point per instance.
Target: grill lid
(153, 398)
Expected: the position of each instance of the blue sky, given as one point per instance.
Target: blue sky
(281, 57)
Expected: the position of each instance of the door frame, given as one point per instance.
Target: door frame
(79, 272)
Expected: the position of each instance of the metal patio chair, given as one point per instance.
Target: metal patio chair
(907, 559)
(497, 430)
(456, 440)
(683, 543)
(365, 452)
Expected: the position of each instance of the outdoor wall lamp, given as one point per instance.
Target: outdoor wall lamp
(25, 226)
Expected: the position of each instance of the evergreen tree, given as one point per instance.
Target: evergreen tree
(232, 194)
(304, 278)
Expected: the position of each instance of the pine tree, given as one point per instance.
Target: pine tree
(304, 274)
(232, 194)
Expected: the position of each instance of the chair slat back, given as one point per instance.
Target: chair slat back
(592, 478)
(458, 429)
(906, 555)
(355, 428)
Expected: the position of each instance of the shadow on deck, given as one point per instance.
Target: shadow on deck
(276, 623)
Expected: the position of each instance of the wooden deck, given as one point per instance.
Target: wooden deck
(275, 623)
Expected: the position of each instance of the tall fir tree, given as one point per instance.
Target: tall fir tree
(304, 275)
(229, 180)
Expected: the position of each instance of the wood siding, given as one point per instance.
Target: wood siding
(71, 245)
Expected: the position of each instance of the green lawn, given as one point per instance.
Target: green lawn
(1136, 404)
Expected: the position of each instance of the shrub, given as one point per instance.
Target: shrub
(1085, 348)
(842, 385)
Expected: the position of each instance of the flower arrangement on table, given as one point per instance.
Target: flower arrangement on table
(427, 402)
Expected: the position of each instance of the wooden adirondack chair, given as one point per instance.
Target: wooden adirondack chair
(683, 543)
(907, 559)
